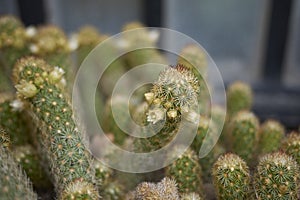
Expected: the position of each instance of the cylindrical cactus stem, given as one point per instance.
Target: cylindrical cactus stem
(271, 133)
(64, 146)
(277, 177)
(291, 145)
(166, 189)
(186, 171)
(243, 131)
(239, 97)
(13, 41)
(231, 178)
(14, 183)
(173, 98)
(27, 157)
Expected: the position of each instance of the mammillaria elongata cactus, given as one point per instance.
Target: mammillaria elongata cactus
(277, 177)
(231, 178)
(291, 145)
(63, 144)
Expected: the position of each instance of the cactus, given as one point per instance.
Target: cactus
(277, 177)
(231, 178)
(28, 158)
(186, 171)
(291, 145)
(63, 144)
(13, 121)
(239, 97)
(271, 133)
(4, 138)
(166, 189)
(13, 181)
(173, 98)
(13, 41)
(243, 129)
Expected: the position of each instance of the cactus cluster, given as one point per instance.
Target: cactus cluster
(43, 147)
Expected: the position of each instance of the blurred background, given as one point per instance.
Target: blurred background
(253, 40)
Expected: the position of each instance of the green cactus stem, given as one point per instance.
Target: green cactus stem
(13, 42)
(243, 130)
(239, 97)
(14, 183)
(63, 144)
(27, 157)
(277, 177)
(271, 133)
(166, 189)
(231, 178)
(186, 171)
(291, 145)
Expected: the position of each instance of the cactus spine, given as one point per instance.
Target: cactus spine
(291, 145)
(231, 178)
(244, 134)
(277, 177)
(270, 135)
(13, 181)
(186, 171)
(239, 97)
(63, 143)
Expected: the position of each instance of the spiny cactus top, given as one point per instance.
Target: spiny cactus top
(166, 189)
(12, 32)
(63, 144)
(270, 134)
(291, 145)
(88, 35)
(277, 177)
(243, 129)
(231, 178)
(239, 97)
(173, 95)
(14, 183)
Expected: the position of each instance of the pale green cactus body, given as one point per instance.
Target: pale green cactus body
(191, 196)
(277, 177)
(243, 130)
(239, 97)
(14, 183)
(271, 133)
(187, 172)
(291, 145)
(63, 144)
(231, 178)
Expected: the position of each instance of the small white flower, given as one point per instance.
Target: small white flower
(56, 75)
(33, 48)
(155, 115)
(30, 31)
(73, 42)
(26, 89)
(17, 105)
